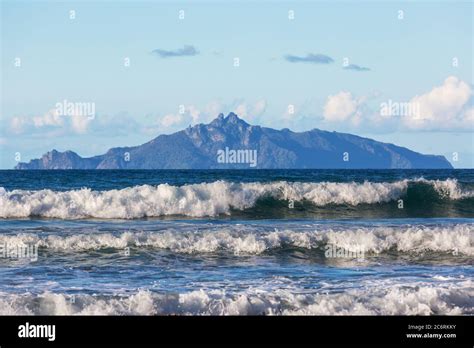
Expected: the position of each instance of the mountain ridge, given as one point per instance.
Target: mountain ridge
(199, 147)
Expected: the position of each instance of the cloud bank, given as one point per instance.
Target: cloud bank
(448, 107)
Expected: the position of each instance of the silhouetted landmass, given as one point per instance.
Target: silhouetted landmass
(197, 147)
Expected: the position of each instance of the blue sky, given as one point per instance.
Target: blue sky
(182, 71)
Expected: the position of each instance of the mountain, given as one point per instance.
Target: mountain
(230, 142)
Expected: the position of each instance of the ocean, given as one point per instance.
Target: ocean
(237, 242)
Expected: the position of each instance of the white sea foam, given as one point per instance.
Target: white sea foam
(390, 297)
(197, 200)
(456, 238)
(448, 188)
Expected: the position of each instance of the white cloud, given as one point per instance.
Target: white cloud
(185, 116)
(244, 109)
(444, 107)
(170, 120)
(50, 121)
(18, 124)
(213, 109)
(51, 118)
(260, 107)
(241, 110)
(194, 113)
(247, 110)
(191, 114)
(469, 116)
(341, 107)
(447, 107)
(290, 113)
(79, 123)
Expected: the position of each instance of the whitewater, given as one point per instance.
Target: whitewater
(373, 298)
(242, 242)
(205, 199)
(250, 239)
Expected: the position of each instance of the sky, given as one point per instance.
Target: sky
(90, 75)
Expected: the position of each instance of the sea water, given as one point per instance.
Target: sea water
(245, 242)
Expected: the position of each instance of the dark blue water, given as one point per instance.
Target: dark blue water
(62, 180)
(237, 242)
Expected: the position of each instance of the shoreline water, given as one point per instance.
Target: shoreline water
(263, 259)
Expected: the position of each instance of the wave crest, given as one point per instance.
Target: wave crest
(205, 199)
(373, 298)
(404, 239)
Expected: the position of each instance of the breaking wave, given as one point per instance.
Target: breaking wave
(394, 297)
(209, 199)
(411, 239)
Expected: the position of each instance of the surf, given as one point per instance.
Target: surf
(380, 297)
(238, 240)
(217, 198)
